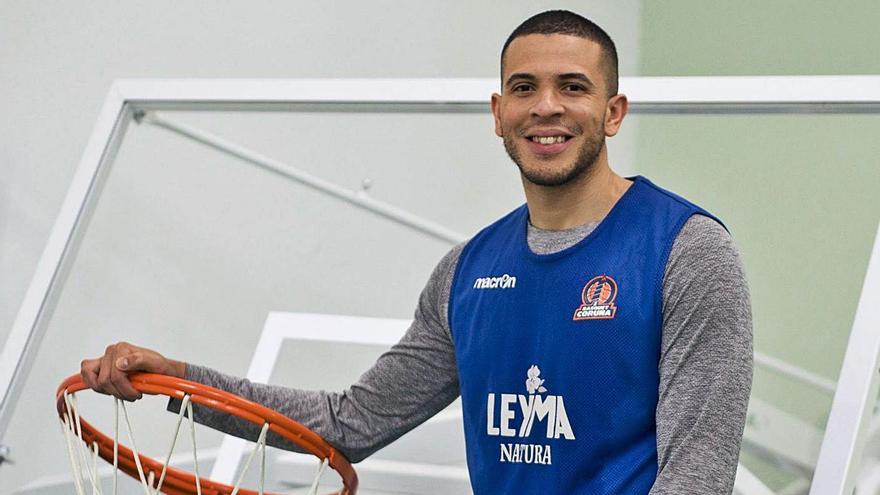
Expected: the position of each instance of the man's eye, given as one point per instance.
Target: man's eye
(521, 88)
(573, 87)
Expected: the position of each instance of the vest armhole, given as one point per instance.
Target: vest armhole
(455, 275)
(667, 250)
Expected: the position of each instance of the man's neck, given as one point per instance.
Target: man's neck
(587, 199)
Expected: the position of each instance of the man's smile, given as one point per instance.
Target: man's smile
(545, 144)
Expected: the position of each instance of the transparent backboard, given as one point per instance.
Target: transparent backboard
(190, 250)
(799, 195)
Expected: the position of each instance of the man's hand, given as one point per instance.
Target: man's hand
(108, 374)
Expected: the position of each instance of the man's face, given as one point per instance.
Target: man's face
(552, 109)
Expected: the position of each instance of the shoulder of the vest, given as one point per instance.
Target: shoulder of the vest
(512, 217)
(678, 201)
(658, 192)
(669, 195)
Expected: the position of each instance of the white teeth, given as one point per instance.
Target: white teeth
(549, 139)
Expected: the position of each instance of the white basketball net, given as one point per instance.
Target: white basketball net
(84, 458)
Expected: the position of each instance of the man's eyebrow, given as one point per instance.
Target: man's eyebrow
(524, 76)
(520, 76)
(577, 76)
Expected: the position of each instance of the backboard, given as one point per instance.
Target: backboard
(361, 186)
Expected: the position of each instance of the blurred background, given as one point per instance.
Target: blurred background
(190, 249)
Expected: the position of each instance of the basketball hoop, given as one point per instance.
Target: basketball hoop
(156, 476)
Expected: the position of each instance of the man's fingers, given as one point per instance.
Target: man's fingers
(125, 390)
(104, 384)
(136, 361)
(88, 371)
(108, 374)
(148, 361)
(128, 363)
(118, 377)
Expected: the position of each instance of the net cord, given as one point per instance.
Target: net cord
(77, 461)
(261, 444)
(115, 445)
(262, 468)
(72, 427)
(183, 410)
(95, 489)
(192, 432)
(76, 428)
(74, 467)
(321, 467)
(134, 450)
(82, 464)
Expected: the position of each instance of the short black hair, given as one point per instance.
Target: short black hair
(566, 22)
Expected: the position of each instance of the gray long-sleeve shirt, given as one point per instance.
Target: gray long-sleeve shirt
(705, 368)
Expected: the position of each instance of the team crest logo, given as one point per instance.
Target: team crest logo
(598, 299)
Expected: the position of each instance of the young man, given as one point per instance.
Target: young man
(599, 336)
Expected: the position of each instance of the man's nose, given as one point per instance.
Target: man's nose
(547, 104)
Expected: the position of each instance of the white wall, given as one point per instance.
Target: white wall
(188, 249)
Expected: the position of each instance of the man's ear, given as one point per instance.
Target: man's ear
(615, 111)
(496, 112)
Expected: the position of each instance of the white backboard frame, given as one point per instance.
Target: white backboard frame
(281, 327)
(841, 448)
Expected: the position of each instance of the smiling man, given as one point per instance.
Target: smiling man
(599, 336)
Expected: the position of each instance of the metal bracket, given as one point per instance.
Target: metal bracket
(4, 455)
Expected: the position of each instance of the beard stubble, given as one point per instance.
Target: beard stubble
(583, 164)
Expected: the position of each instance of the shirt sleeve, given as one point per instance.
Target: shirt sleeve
(408, 384)
(705, 362)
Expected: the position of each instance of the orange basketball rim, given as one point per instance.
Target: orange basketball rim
(178, 482)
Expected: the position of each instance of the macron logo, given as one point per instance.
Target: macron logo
(503, 282)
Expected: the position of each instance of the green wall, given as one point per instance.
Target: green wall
(751, 37)
(798, 192)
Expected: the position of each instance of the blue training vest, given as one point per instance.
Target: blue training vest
(558, 354)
